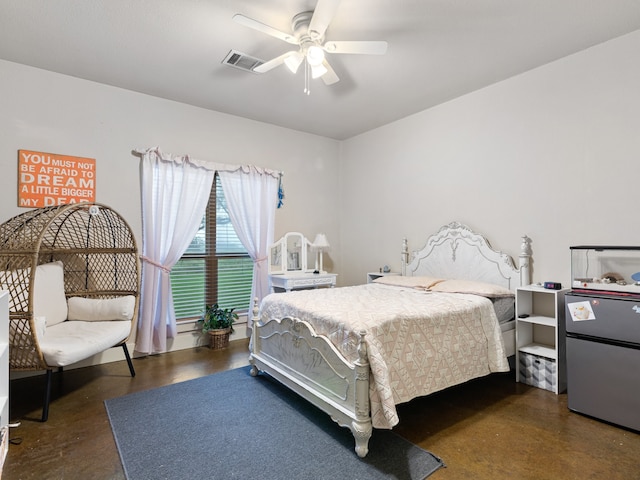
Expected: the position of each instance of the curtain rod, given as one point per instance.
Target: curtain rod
(208, 164)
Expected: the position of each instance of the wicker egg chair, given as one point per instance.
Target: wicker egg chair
(100, 261)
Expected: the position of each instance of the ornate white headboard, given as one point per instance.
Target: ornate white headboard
(457, 252)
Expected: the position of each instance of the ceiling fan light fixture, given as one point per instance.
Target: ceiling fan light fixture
(315, 55)
(293, 61)
(309, 28)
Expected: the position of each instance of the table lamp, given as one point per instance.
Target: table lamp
(320, 244)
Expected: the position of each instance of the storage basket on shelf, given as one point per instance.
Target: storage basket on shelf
(48, 256)
(538, 371)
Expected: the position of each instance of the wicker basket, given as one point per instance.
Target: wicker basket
(219, 338)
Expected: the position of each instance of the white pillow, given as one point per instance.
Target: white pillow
(48, 293)
(101, 309)
(411, 282)
(488, 290)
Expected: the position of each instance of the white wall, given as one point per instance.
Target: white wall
(553, 153)
(49, 112)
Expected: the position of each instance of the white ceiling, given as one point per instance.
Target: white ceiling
(438, 50)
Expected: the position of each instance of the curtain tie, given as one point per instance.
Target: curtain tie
(155, 264)
(259, 262)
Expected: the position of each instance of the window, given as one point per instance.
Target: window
(215, 268)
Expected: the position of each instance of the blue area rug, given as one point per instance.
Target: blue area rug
(233, 426)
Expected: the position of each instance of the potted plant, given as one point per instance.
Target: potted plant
(218, 323)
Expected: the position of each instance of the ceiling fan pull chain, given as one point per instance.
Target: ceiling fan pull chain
(307, 88)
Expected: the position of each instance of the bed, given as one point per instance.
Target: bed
(356, 352)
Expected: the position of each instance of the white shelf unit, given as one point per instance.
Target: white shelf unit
(4, 374)
(540, 337)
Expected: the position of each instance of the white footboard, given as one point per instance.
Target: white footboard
(289, 350)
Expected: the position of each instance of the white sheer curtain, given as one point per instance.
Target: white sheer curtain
(252, 197)
(175, 192)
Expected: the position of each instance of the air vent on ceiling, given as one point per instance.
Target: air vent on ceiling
(241, 60)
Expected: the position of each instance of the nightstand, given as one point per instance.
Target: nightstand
(371, 276)
(299, 281)
(540, 338)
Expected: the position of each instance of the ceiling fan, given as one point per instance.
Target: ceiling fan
(308, 30)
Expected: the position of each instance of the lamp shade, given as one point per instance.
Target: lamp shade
(321, 242)
(318, 70)
(293, 61)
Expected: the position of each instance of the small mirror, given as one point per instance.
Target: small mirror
(295, 243)
(275, 258)
(290, 254)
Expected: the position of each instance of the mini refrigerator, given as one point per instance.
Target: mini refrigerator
(603, 336)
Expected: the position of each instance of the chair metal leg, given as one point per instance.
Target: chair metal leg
(129, 362)
(47, 395)
(49, 380)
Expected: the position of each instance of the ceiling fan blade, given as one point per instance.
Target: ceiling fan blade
(261, 27)
(367, 48)
(273, 63)
(330, 77)
(322, 16)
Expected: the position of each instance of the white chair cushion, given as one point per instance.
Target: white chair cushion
(48, 293)
(72, 341)
(41, 325)
(99, 309)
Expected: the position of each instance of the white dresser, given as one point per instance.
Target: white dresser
(299, 281)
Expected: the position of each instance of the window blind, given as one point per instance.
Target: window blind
(215, 267)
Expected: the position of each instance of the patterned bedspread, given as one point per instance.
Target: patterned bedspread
(418, 342)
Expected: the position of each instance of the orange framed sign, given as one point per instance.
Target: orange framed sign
(47, 179)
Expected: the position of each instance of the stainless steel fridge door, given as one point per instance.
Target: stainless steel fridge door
(612, 318)
(603, 381)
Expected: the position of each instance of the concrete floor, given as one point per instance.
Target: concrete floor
(491, 428)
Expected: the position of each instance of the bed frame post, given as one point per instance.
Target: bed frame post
(524, 262)
(362, 427)
(254, 337)
(255, 312)
(404, 257)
